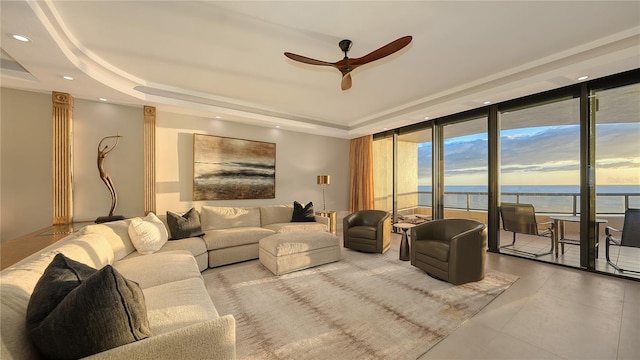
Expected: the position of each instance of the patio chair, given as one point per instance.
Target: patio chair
(521, 219)
(630, 236)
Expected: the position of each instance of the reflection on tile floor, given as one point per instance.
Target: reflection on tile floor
(624, 257)
(550, 312)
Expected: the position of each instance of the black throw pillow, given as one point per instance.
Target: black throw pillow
(184, 226)
(303, 214)
(102, 312)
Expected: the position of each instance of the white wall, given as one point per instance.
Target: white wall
(299, 159)
(92, 121)
(25, 154)
(25, 175)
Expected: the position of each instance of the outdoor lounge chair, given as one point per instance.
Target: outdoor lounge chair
(630, 236)
(521, 219)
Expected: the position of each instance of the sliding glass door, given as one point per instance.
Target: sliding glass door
(617, 117)
(414, 164)
(540, 166)
(383, 172)
(465, 168)
(571, 155)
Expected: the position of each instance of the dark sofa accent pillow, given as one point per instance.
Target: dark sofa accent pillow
(184, 226)
(103, 311)
(303, 214)
(60, 277)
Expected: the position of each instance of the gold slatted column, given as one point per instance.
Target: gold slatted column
(62, 118)
(149, 159)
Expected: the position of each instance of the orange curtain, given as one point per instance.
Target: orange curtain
(361, 174)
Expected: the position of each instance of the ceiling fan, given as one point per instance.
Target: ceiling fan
(346, 65)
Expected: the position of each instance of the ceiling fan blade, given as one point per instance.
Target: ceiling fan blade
(306, 60)
(346, 82)
(386, 50)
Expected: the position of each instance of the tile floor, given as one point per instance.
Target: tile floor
(625, 257)
(551, 312)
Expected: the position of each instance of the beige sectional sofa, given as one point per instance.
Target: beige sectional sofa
(183, 321)
(232, 234)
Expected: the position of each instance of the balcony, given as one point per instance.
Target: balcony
(610, 206)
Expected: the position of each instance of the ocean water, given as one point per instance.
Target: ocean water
(552, 189)
(560, 199)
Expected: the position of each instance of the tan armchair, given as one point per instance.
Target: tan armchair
(452, 250)
(368, 231)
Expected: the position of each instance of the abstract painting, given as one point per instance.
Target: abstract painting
(229, 169)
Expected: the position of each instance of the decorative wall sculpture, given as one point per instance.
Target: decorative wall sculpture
(106, 178)
(228, 169)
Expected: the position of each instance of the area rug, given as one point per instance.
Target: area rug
(366, 306)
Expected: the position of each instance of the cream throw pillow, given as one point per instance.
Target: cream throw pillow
(148, 234)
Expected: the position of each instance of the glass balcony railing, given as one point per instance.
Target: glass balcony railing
(545, 203)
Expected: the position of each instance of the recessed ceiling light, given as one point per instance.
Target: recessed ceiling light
(583, 78)
(426, 118)
(218, 117)
(277, 126)
(67, 77)
(487, 102)
(21, 38)
(102, 99)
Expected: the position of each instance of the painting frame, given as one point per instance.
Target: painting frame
(226, 168)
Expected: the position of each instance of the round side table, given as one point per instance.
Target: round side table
(404, 243)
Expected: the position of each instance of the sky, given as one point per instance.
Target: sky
(548, 155)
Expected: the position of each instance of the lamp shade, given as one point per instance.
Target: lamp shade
(324, 179)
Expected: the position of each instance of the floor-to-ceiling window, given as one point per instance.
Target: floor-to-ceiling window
(537, 150)
(540, 166)
(617, 116)
(383, 172)
(412, 182)
(465, 176)
(414, 173)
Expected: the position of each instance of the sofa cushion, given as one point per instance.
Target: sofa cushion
(159, 268)
(117, 233)
(188, 304)
(184, 226)
(298, 226)
(303, 213)
(90, 311)
(148, 234)
(274, 214)
(220, 239)
(195, 245)
(215, 218)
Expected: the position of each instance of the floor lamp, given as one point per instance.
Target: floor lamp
(324, 180)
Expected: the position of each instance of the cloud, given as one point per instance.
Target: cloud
(548, 149)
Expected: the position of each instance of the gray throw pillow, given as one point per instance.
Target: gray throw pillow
(60, 277)
(103, 311)
(303, 214)
(184, 226)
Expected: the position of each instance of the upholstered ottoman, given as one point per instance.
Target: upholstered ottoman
(290, 251)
